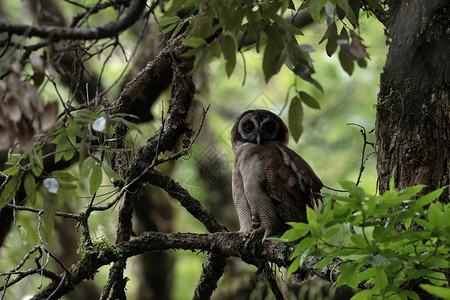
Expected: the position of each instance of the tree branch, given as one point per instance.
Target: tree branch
(128, 18)
(225, 244)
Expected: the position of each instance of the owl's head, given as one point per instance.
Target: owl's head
(259, 126)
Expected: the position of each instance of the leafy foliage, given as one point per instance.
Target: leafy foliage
(384, 242)
(266, 23)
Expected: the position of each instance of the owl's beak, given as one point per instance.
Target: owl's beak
(258, 139)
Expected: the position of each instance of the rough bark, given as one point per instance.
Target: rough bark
(413, 110)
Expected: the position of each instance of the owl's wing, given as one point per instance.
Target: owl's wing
(290, 181)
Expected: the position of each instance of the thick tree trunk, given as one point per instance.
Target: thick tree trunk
(413, 110)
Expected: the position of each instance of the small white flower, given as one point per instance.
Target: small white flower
(51, 184)
(99, 124)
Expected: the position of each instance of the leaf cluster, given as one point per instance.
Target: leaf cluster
(385, 242)
(228, 27)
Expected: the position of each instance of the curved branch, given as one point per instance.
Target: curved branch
(225, 244)
(128, 18)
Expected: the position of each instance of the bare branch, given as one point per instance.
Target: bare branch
(128, 18)
(40, 211)
(225, 244)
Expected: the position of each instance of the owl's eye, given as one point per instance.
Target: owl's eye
(249, 127)
(268, 126)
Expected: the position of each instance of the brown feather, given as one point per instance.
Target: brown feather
(292, 185)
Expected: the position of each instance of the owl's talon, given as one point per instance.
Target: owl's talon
(256, 223)
(256, 233)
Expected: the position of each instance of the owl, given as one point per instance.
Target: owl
(271, 184)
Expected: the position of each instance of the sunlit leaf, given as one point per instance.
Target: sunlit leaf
(428, 198)
(10, 171)
(323, 263)
(294, 265)
(438, 291)
(96, 179)
(13, 159)
(363, 295)
(381, 280)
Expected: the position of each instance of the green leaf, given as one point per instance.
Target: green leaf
(29, 185)
(294, 265)
(331, 232)
(96, 179)
(64, 176)
(229, 52)
(363, 295)
(67, 186)
(428, 198)
(169, 20)
(194, 42)
(305, 244)
(86, 167)
(11, 171)
(170, 28)
(409, 295)
(434, 215)
(411, 191)
(346, 62)
(38, 163)
(323, 263)
(295, 118)
(110, 172)
(315, 8)
(367, 274)
(10, 190)
(294, 234)
(201, 59)
(274, 53)
(359, 240)
(303, 257)
(332, 39)
(309, 100)
(61, 146)
(348, 275)
(381, 280)
(49, 214)
(438, 291)
(311, 215)
(176, 30)
(344, 5)
(65, 194)
(13, 159)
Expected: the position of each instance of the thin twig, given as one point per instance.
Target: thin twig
(363, 158)
(40, 211)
